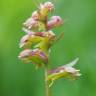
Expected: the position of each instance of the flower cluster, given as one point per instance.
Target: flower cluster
(40, 37)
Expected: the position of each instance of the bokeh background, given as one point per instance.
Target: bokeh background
(19, 79)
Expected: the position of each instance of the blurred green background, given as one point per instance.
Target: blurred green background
(18, 79)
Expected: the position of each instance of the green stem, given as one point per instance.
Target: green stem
(46, 82)
(47, 89)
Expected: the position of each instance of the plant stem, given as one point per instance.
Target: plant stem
(46, 82)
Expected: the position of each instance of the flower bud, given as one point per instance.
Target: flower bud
(35, 56)
(49, 6)
(46, 8)
(31, 24)
(54, 22)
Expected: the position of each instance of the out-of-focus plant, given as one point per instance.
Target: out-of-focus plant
(37, 45)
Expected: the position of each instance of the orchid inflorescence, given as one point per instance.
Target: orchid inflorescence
(38, 41)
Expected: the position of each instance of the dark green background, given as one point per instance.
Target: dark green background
(18, 79)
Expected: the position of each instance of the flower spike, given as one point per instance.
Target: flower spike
(39, 39)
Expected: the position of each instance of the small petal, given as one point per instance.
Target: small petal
(54, 22)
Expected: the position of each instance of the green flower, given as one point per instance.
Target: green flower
(41, 40)
(30, 40)
(35, 56)
(65, 71)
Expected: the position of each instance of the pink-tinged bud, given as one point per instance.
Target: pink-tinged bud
(54, 22)
(36, 15)
(49, 6)
(35, 56)
(31, 24)
(46, 8)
